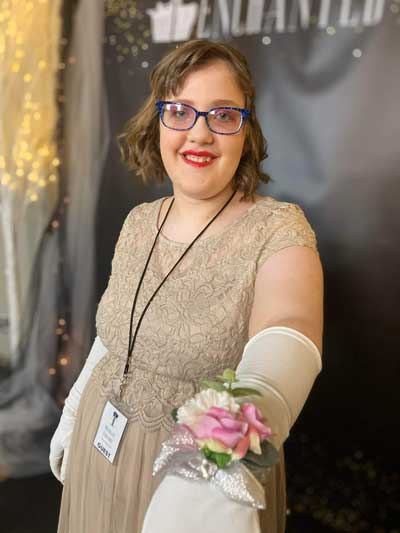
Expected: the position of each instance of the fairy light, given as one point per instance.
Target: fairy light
(29, 60)
(124, 30)
(6, 179)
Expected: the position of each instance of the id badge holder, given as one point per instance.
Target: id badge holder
(110, 431)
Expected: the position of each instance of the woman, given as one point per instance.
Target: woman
(169, 318)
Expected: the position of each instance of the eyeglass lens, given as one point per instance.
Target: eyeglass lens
(180, 116)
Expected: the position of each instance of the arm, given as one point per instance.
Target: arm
(289, 292)
(282, 358)
(60, 442)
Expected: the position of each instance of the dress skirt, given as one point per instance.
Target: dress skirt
(112, 498)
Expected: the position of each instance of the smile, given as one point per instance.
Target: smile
(197, 161)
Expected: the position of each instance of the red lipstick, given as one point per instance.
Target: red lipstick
(198, 154)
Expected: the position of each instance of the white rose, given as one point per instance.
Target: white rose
(202, 401)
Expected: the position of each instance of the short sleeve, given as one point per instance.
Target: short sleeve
(124, 242)
(286, 226)
(122, 248)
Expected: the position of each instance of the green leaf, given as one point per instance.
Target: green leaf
(174, 414)
(243, 391)
(207, 452)
(212, 385)
(220, 459)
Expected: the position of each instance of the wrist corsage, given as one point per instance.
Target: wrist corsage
(221, 438)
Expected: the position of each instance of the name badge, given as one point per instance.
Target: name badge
(111, 428)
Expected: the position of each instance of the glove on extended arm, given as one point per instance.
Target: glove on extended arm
(282, 364)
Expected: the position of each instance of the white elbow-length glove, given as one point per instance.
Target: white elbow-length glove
(282, 364)
(59, 445)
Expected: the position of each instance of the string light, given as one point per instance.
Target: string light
(123, 15)
(29, 60)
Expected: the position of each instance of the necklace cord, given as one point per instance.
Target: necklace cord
(131, 343)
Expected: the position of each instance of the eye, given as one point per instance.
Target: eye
(224, 115)
(180, 113)
(177, 111)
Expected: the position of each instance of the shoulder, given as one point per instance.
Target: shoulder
(282, 210)
(137, 220)
(281, 225)
(140, 213)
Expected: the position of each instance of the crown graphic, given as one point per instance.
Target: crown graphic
(172, 21)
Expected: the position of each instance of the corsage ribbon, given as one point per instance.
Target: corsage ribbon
(181, 456)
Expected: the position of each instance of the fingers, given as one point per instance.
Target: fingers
(55, 465)
(64, 466)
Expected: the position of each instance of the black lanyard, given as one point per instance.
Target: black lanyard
(131, 343)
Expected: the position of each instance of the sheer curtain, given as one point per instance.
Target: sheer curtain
(29, 246)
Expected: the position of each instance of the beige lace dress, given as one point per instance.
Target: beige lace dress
(196, 326)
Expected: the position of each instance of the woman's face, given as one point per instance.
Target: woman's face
(211, 85)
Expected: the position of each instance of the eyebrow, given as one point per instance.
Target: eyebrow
(214, 102)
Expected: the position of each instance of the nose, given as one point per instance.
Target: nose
(200, 132)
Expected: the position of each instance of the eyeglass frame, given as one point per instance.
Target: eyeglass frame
(245, 113)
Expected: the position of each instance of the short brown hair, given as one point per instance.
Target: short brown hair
(140, 143)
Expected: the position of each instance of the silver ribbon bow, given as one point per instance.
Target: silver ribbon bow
(181, 456)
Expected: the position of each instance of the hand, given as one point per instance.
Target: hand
(58, 458)
(60, 442)
(181, 505)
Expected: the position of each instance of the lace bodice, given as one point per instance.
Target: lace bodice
(197, 324)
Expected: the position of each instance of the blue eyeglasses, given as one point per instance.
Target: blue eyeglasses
(223, 120)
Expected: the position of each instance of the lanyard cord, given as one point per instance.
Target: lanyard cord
(132, 341)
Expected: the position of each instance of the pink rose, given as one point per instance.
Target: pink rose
(257, 430)
(220, 425)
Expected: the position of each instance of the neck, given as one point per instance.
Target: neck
(196, 212)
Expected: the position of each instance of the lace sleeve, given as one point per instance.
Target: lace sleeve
(287, 226)
(121, 248)
(123, 241)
